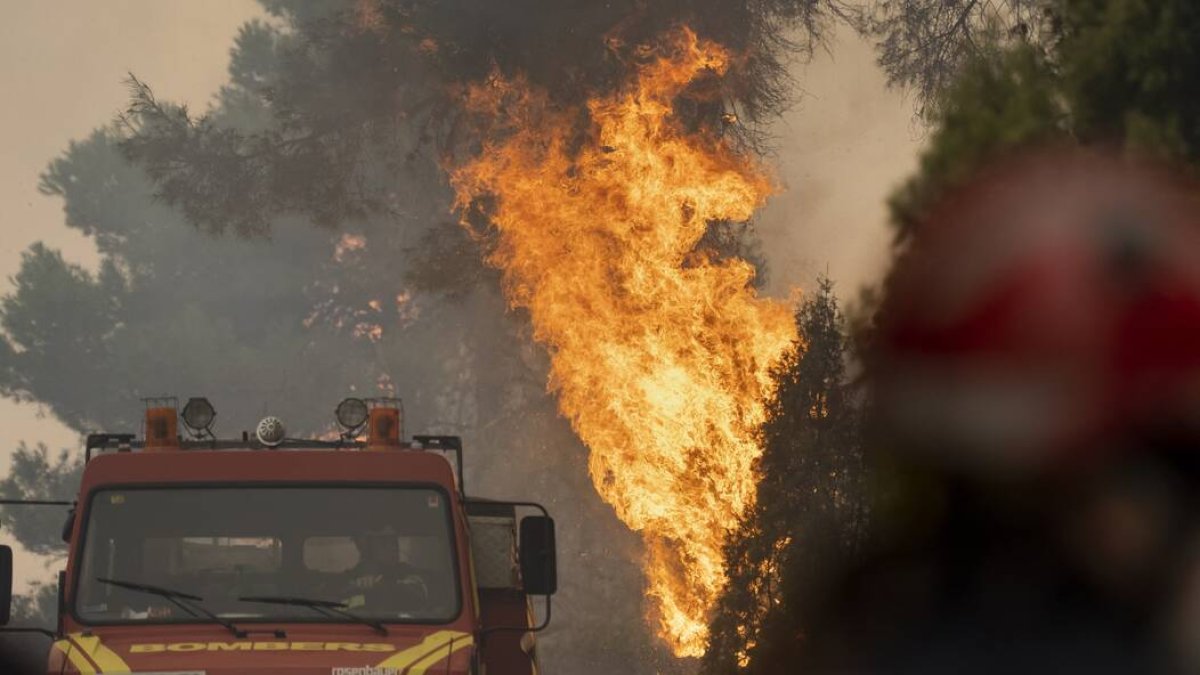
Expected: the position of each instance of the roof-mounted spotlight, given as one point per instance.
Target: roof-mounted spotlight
(352, 414)
(198, 416)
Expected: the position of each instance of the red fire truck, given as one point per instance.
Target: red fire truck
(266, 554)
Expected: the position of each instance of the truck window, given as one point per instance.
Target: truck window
(386, 553)
(331, 554)
(182, 555)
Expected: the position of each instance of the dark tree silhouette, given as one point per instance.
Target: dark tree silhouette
(810, 515)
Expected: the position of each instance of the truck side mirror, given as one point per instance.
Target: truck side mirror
(6, 584)
(539, 565)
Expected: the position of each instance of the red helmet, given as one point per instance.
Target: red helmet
(1048, 306)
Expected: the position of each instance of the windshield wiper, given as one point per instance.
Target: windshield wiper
(177, 598)
(326, 607)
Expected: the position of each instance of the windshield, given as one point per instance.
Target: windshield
(381, 553)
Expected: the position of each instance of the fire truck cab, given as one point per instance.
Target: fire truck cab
(355, 556)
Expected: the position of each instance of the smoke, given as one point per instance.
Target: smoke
(840, 152)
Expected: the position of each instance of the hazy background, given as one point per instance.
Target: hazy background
(840, 150)
(62, 64)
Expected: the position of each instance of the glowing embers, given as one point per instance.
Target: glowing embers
(660, 355)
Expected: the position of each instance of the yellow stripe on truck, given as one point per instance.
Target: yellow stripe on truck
(432, 642)
(75, 656)
(107, 661)
(89, 655)
(423, 665)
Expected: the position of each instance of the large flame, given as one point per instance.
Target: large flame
(660, 355)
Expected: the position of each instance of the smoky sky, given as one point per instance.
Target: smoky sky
(62, 67)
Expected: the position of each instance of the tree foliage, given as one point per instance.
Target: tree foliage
(1129, 74)
(366, 97)
(810, 513)
(1005, 99)
(924, 45)
(170, 310)
(1117, 73)
(37, 475)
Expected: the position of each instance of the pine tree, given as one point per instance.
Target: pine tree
(810, 513)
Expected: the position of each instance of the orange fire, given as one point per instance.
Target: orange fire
(660, 355)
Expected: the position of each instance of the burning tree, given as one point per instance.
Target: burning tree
(370, 105)
(660, 356)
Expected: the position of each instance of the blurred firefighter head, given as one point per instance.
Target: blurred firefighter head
(1046, 314)
(1038, 363)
